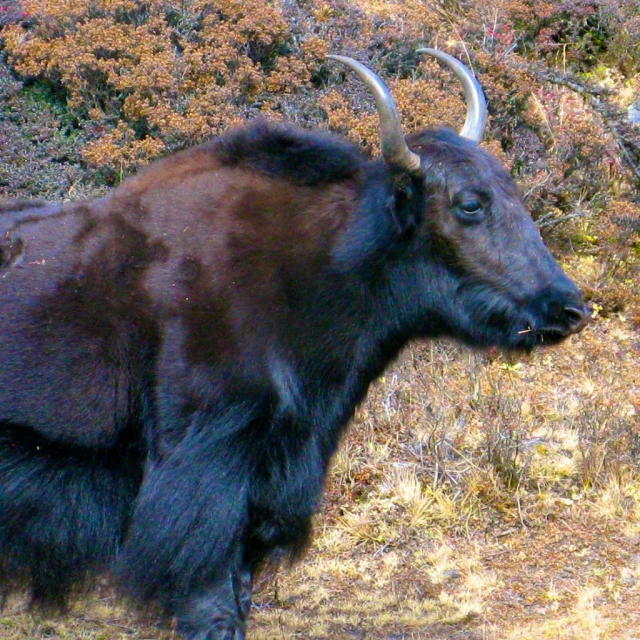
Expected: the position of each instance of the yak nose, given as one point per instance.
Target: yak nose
(577, 315)
(560, 311)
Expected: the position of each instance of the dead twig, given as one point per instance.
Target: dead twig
(548, 220)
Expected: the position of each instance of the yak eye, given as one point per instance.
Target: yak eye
(470, 209)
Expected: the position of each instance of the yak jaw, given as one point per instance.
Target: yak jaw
(483, 313)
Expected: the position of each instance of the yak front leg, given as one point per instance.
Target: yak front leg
(221, 612)
(186, 546)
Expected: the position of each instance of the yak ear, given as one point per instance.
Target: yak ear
(389, 214)
(406, 206)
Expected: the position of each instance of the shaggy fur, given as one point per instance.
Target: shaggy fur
(179, 358)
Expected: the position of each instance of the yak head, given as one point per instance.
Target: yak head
(474, 265)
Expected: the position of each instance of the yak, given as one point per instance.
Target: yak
(179, 359)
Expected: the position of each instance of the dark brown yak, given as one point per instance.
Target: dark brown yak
(179, 358)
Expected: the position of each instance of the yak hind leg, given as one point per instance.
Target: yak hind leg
(63, 512)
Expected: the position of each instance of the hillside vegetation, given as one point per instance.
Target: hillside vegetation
(477, 495)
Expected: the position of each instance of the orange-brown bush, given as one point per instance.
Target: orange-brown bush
(144, 77)
(148, 76)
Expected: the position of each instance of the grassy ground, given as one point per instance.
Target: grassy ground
(476, 495)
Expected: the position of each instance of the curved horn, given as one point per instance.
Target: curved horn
(395, 151)
(476, 104)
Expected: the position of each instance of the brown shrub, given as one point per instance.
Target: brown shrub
(141, 78)
(167, 74)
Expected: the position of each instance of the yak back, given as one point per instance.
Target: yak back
(212, 257)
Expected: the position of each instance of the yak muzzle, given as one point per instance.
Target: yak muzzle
(558, 314)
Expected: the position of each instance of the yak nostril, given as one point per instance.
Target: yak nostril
(577, 316)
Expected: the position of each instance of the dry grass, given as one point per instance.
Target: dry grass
(482, 495)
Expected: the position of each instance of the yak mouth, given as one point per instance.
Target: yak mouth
(522, 341)
(538, 333)
(480, 315)
(493, 319)
(528, 339)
